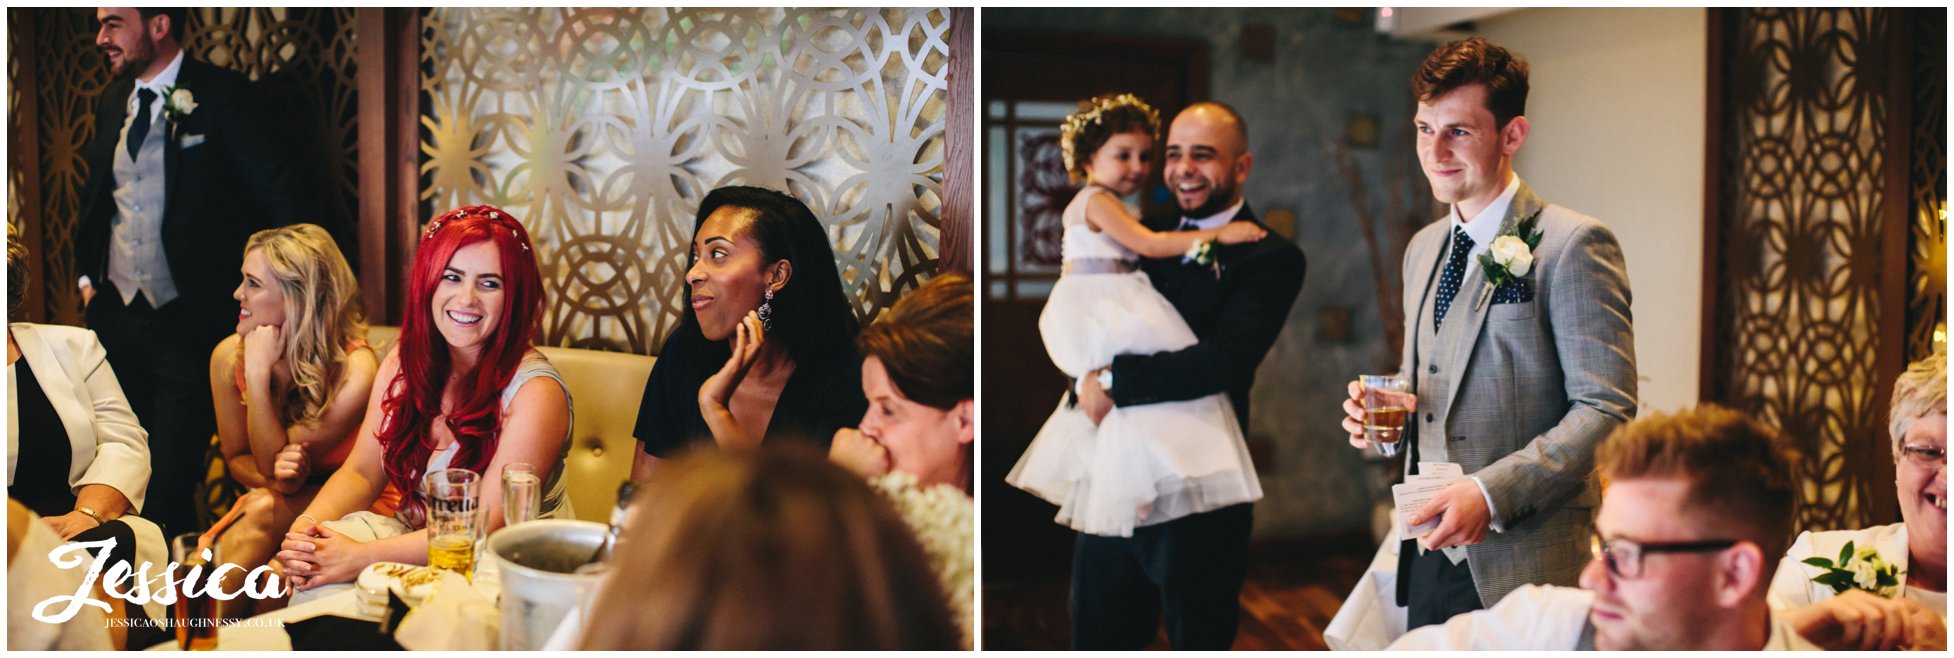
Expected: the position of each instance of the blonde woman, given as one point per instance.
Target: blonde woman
(291, 385)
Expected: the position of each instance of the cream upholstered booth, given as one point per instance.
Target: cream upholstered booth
(605, 388)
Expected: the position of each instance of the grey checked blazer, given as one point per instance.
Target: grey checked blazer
(1520, 394)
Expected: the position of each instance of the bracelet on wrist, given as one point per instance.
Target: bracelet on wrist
(93, 515)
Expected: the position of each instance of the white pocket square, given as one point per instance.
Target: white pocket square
(191, 140)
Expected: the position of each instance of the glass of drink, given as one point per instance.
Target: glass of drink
(194, 617)
(1384, 398)
(453, 496)
(522, 494)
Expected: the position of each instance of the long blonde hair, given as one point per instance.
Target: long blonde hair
(323, 313)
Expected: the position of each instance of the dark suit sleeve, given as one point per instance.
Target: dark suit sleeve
(91, 221)
(262, 141)
(1249, 322)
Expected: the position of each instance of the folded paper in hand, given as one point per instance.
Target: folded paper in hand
(1420, 489)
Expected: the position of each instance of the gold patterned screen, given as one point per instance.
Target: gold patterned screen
(303, 54)
(1798, 275)
(604, 128)
(1927, 266)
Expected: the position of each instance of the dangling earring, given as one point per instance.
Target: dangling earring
(766, 312)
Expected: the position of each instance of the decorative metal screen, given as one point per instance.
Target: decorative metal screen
(1798, 277)
(1927, 265)
(303, 54)
(602, 129)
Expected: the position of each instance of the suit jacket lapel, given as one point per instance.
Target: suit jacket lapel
(172, 133)
(1458, 338)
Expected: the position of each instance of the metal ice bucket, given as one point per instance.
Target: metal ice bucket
(537, 559)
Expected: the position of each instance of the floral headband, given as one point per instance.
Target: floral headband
(1076, 123)
(492, 213)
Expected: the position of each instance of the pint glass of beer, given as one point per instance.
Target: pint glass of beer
(453, 498)
(1385, 398)
(194, 617)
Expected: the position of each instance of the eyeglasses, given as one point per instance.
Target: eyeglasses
(1624, 557)
(1924, 455)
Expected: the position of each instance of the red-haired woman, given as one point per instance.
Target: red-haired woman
(464, 389)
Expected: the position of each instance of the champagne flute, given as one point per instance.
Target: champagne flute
(522, 494)
(1384, 398)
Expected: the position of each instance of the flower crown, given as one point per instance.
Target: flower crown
(1077, 122)
(494, 215)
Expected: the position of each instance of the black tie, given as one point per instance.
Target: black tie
(1455, 267)
(140, 129)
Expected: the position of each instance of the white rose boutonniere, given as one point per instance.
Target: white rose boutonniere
(1202, 253)
(1858, 568)
(179, 103)
(1513, 254)
(1510, 256)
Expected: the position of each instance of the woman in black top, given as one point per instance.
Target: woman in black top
(76, 453)
(765, 347)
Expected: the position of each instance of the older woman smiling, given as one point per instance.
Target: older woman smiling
(1916, 547)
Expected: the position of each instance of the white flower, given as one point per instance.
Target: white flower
(942, 519)
(1863, 575)
(180, 104)
(1512, 253)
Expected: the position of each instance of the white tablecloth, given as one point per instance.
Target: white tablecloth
(1370, 618)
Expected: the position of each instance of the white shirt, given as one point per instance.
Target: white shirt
(1540, 618)
(1216, 220)
(161, 85)
(1483, 227)
(1792, 587)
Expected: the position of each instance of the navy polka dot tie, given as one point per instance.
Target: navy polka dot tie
(1455, 268)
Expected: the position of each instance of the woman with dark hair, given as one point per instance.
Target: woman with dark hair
(764, 349)
(464, 389)
(767, 550)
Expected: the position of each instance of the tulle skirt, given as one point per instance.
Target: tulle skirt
(1144, 464)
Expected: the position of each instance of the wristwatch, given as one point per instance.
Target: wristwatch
(1106, 380)
(91, 514)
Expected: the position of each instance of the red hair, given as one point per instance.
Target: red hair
(413, 399)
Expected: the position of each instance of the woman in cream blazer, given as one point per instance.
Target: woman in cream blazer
(108, 465)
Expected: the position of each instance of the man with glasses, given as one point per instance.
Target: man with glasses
(1696, 511)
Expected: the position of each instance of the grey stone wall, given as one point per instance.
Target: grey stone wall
(1323, 71)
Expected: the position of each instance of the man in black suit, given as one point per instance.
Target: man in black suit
(1190, 568)
(187, 162)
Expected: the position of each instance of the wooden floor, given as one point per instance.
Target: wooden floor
(1291, 591)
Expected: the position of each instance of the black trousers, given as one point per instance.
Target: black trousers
(1435, 589)
(162, 359)
(1189, 568)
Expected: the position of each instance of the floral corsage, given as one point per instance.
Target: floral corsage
(1202, 253)
(1510, 257)
(178, 103)
(1858, 569)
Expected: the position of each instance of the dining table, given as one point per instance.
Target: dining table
(267, 632)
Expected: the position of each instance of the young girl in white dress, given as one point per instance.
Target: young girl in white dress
(1145, 464)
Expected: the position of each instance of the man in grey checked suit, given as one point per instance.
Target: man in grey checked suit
(1517, 383)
